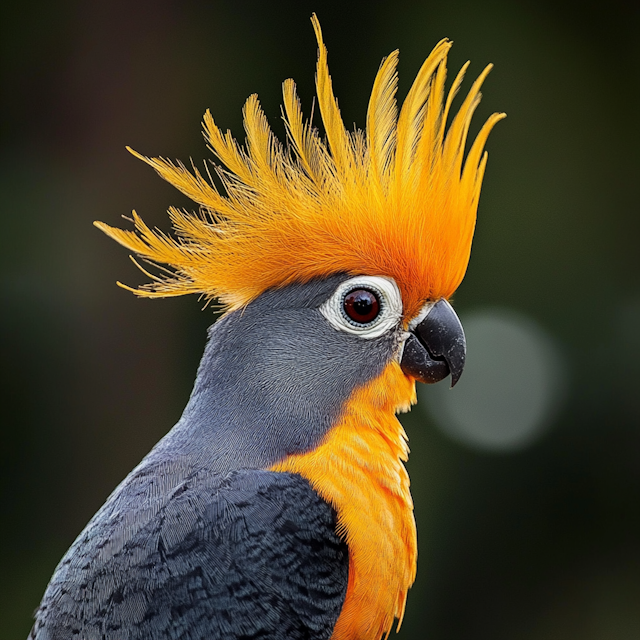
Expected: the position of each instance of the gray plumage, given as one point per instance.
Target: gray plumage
(249, 554)
(201, 541)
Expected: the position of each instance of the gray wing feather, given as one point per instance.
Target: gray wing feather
(246, 555)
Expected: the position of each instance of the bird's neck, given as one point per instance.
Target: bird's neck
(257, 397)
(358, 469)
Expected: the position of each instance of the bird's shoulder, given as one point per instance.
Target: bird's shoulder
(248, 553)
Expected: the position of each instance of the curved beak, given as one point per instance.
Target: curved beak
(436, 346)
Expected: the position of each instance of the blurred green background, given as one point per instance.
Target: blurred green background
(538, 543)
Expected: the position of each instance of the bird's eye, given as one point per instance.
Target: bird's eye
(361, 305)
(365, 306)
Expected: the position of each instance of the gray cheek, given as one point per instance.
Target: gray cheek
(273, 381)
(300, 352)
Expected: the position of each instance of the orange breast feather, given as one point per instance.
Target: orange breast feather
(359, 470)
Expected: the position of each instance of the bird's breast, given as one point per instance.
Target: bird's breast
(358, 468)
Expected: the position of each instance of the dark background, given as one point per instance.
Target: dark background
(539, 544)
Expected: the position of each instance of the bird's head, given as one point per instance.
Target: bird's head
(366, 234)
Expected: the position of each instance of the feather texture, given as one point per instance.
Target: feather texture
(365, 449)
(398, 200)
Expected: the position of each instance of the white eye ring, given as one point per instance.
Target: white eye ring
(390, 307)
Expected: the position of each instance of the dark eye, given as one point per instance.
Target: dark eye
(361, 305)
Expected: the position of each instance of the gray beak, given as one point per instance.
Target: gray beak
(436, 347)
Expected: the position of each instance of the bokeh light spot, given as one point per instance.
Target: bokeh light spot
(511, 387)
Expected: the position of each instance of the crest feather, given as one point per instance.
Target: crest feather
(381, 119)
(398, 200)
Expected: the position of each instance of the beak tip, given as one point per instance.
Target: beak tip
(454, 378)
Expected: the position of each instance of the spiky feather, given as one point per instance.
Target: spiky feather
(396, 201)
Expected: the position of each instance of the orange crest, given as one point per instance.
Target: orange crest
(394, 200)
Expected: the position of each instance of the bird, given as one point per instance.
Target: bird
(278, 506)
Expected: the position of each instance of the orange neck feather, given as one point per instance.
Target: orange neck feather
(359, 470)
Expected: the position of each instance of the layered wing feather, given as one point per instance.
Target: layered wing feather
(249, 554)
